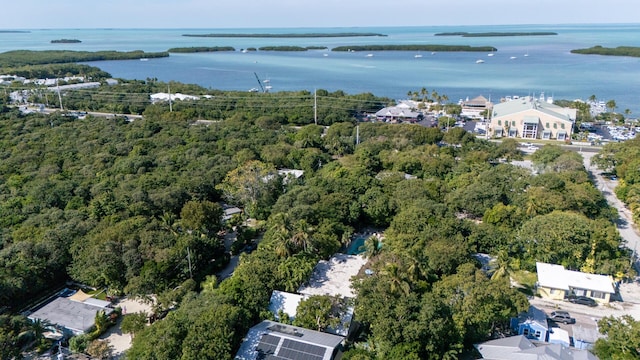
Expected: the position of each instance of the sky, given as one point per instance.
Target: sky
(48, 14)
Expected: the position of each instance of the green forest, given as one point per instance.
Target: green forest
(119, 205)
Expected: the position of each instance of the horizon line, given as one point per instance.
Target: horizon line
(311, 27)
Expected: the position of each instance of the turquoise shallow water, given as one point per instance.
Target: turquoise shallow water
(549, 66)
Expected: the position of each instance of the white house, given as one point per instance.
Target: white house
(555, 282)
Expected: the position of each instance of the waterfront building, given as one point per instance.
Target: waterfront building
(532, 118)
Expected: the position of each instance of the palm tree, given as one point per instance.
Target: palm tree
(36, 329)
(611, 105)
(372, 246)
(397, 282)
(503, 267)
(302, 238)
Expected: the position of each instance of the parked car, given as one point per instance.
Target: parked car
(582, 300)
(562, 316)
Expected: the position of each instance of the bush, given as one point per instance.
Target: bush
(78, 344)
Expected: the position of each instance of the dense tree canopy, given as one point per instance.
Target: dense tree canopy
(134, 207)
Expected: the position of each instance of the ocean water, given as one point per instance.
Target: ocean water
(549, 66)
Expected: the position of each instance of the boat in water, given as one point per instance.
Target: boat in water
(513, 58)
(479, 61)
(369, 55)
(417, 56)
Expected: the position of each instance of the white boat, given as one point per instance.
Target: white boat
(325, 54)
(490, 54)
(512, 58)
(369, 55)
(526, 54)
(479, 61)
(144, 59)
(417, 56)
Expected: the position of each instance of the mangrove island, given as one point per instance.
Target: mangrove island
(494, 34)
(632, 51)
(288, 35)
(414, 48)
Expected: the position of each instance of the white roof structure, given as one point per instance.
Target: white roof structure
(174, 96)
(272, 340)
(86, 85)
(557, 277)
(521, 348)
(559, 336)
(528, 104)
(75, 316)
(285, 302)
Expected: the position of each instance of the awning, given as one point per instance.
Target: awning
(531, 120)
(498, 128)
(547, 132)
(562, 132)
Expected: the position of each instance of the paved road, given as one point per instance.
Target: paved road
(628, 230)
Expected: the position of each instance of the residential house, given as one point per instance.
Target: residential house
(532, 324)
(521, 348)
(555, 282)
(585, 337)
(476, 107)
(272, 340)
(285, 305)
(72, 311)
(531, 118)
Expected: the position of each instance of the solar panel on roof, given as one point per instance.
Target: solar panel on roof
(270, 339)
(267, 345)
(295, 350)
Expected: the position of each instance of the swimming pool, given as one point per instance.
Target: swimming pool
(356, 246)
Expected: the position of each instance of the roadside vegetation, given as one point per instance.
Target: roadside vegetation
(622, 160)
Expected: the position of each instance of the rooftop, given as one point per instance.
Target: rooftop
(73, 315)
(272, 340)
(521, 348)
(529, 103)
(557, 277)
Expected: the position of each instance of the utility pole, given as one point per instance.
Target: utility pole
(59, 96)
(315, 106)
